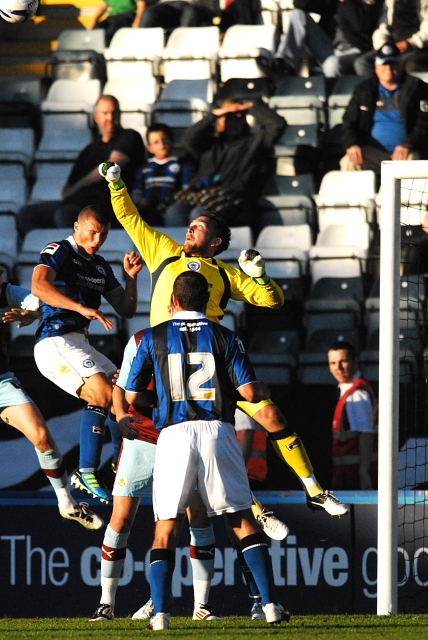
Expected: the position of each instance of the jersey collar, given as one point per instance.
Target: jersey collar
(191, 315)
(73, 243)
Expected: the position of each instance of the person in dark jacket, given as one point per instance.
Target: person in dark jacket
(343, 33)
(405, 23)
(230, 162)
(387, 116)
(123, 146)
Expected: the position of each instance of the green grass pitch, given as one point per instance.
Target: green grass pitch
(340, 627)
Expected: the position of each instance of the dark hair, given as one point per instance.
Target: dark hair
(191, 290)
(94, 211)
(221, 230)
(160, 126)
(346, 346)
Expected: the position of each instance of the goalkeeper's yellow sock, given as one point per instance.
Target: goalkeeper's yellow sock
(291, 450)
(257, 508)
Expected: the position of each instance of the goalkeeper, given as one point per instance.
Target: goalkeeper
(206, 237)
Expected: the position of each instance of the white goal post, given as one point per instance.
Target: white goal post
(392, 173)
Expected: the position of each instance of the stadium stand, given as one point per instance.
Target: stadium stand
(191, 53)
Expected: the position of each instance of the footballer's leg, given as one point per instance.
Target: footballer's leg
(72, 364)
(256, 555)
(97, 392)
(291, 450)
(26, 417)
(162, 564)
(256, 612)
(133, 481)
(113, 553)
(202, 554)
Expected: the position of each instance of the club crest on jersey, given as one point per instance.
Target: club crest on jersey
(51, 248)
(194, 266)
(101, 270)
(88, 363)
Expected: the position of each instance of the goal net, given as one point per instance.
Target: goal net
(403, 406)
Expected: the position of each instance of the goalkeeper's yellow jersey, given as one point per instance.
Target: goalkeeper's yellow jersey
(166, 259)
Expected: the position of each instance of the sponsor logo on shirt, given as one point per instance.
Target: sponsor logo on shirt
(88, 363)
(101, 269)
(51, 248)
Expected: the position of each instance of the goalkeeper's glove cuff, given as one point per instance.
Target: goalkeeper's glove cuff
(264, 279)
(117, 185)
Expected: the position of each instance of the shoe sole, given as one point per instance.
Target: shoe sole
(76, 482)
(88, 526)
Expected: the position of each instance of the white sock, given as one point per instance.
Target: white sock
(311, 485)
(108, 590)
(65, 499)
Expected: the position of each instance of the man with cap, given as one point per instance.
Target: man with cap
(387, 116)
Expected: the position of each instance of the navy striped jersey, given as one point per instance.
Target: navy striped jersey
(198, 364)
(82, 279)
(158, 180)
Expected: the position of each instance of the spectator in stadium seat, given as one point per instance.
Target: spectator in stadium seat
(343, 33)
(170, 15)
(85, 186)
(240, 12)
(231, 163)
(120, 13)
(404, 23)
(160, 177)
(353, 422)
(387, 116)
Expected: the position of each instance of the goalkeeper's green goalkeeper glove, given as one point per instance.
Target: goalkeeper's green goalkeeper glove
(253, 264)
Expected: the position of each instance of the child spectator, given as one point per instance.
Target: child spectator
(161, 177)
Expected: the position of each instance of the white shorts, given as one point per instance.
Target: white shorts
(134, 475)
(202, 453)
(67, 360)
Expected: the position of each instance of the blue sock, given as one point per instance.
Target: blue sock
(92, 437)
(247, 575)
(256, 555)
(162, 563)
(116, 436)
